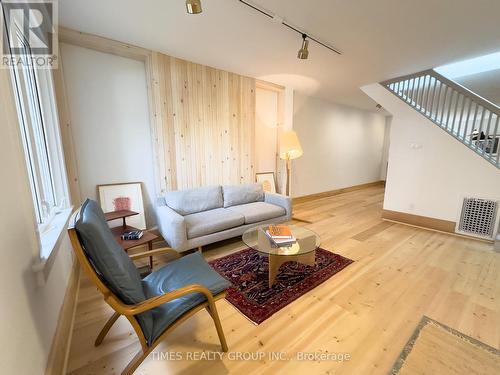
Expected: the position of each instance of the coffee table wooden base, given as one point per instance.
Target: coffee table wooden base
(275, 261)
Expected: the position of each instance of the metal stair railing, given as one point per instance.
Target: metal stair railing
(469, 118)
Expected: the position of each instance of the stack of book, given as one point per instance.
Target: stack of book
(133, 235)
(280, 235)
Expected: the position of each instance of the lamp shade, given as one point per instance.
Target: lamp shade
(290, 147)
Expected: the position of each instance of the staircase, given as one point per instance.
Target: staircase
(464, 115)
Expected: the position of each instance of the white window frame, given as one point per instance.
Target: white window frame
(41, 138)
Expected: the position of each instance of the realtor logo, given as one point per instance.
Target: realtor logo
(29, 35)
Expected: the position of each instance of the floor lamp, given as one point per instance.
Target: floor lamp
(290, 149)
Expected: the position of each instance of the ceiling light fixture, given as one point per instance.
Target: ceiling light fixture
(303, 52)
(193, 6)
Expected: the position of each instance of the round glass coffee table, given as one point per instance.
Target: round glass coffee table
(303, 251)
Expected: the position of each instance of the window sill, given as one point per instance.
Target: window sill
(50, 241)
(52, 236)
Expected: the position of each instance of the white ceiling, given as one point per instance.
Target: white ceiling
(380, 39)
(485, 84)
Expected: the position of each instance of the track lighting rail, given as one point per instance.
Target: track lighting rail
(272, 16)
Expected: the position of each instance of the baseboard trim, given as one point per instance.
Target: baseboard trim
(419, 221)
(326, 194)
(437, 230)
(59, 352)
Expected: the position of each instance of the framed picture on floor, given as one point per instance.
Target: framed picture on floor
(267, 180)
(123, 196)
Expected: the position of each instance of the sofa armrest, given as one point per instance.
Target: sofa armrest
(280, 200)
(172, 227)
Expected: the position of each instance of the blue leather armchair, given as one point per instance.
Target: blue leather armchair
(155, 305)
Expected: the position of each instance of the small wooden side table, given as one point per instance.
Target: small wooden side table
(147, 237)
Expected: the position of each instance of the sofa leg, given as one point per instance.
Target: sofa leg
(200, 249)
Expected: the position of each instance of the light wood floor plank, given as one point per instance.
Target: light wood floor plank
(369, 310)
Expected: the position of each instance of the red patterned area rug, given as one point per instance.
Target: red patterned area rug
(248, 271)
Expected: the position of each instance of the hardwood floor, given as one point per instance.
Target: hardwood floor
(368, 310)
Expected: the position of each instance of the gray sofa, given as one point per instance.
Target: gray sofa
(196, 217)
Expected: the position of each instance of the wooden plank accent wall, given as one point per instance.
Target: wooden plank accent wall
(202, 118)
(204, 124)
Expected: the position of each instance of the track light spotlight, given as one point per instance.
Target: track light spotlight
(193, 6)
(303, 53)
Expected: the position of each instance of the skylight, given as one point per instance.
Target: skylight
(476, 65)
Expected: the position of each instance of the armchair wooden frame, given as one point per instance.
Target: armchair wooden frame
(129, 311)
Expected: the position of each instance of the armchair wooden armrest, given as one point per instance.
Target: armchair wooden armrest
(159, 300)
(155, 252)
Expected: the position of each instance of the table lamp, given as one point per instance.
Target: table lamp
(289, 149)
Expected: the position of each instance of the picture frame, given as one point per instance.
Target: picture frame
(123, 196)
(267, 180)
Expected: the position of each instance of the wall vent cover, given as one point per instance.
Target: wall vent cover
(478, 217)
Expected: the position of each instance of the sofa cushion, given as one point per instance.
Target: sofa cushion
(208, 222)
(190, 269)
(190, 201)
(258, 211)
(109, 260)
(241, 194)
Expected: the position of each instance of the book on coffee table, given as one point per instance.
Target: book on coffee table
(280, 231)
(280, 235)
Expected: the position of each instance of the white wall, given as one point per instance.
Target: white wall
(266, 130)
(428, 169)
(288, 110)
(29, 313)
(385, 148)
(107, 97)
(342, 146)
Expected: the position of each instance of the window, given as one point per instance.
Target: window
(38, 118)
